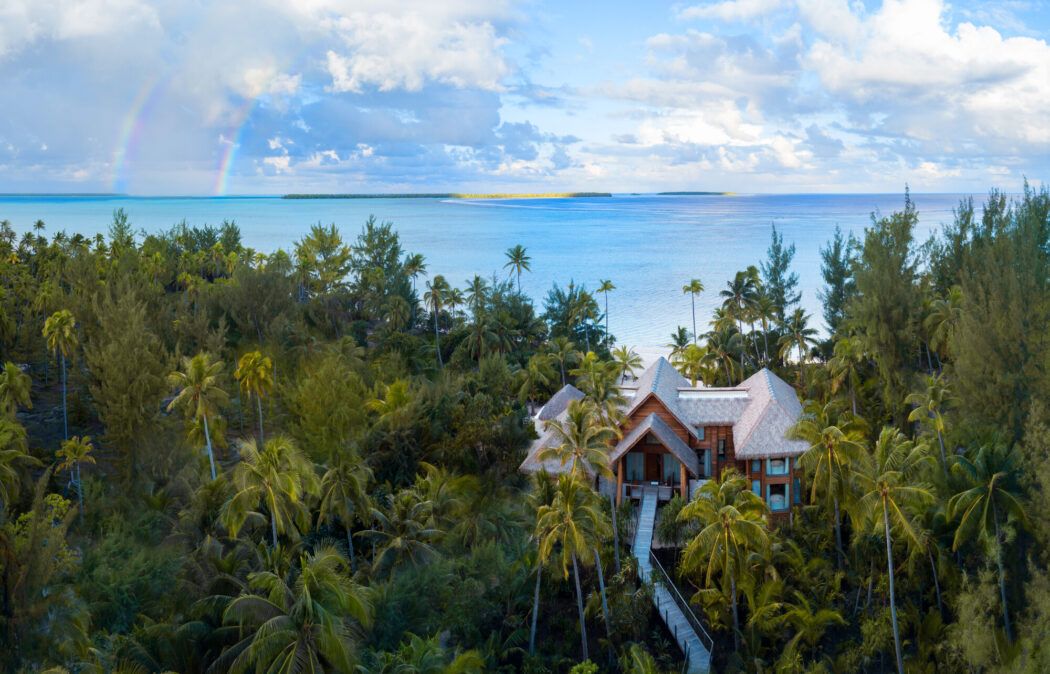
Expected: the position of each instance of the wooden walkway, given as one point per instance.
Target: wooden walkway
(699, 659)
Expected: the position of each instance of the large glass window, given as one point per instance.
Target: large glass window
(721, 449)
(671, 470)
(777, 496)
(756, 466)
(797, 490)
(707, 462)
(635, 465)
(776, 466)
(700, 432)
(756, 487)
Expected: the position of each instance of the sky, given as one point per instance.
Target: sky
(222, 97)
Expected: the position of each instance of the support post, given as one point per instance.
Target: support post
(619, 480)
(684, 485)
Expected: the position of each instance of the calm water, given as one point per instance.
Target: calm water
(649, 246)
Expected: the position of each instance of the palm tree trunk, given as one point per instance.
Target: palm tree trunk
(871, 581)
(258, 402)
(350, 548)
(893, 601)
(579, 604)
(616, 532)
(736, 618)
(273, 529)
(694, 318)
(605, 604)
(535, 607)
(728, 376)
(838, 533)
(562, 363)
(936, 582)
(80, 493)
(944, 460)
(207, 440)
(607, 345)
(437, 337)
(1002, 578)
(65, 425)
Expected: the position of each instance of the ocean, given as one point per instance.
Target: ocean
(649, 246)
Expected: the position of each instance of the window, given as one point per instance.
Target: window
(635, 467)
(756, 466)
(707, 462)
(756, 487)
(651, 439)
(672, 471)
(700, 432)
(721, 449)
(777, 496)
(777, 467)
(797, 489)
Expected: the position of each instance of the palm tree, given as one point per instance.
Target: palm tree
(15, 386)
(536, 374)
(477, 295)
(344, 494)
(809, 624)
(279, 477)
(575, 523)
(562, 351)
(581, 441)
(679, 340)
(692, 363)
(415, 265)
(740, 294)
(929, 408)
(74, 452)
(844, 367)
(693, 288)
(405, 530)
(722, 346)
(199, 394)
(941, 321)
(834, 448)
(299, 624)
(541, 495)
(886, 483)
(606, 286)
(60, 331)
(994, 495)
(255, 373)
(732, 522)
(799, 335)
(13, 449)
(628, 359)
(455, 297)
(518, 261)
(435, 297)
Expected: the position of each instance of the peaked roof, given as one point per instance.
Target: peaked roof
(658, 427)
(663, 381)
(559, 402)
(761, 431)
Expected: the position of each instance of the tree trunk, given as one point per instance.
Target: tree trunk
(350, 549)
(535, 607)
(258, 403)
(207, 440)
(607, 345)
(65, 425)
(605, 604)
(616, 531)
(893, 601)
(838, 533)
(562, 363)
(871, 581)
(736, 619)
(437, 337)
(944, 460)
(1002, 578)
(694, 319)
(273, 528)
(728, 376)
(936, 582)
(80, 494)
(579, 604)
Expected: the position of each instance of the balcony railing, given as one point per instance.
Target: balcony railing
(660, 575)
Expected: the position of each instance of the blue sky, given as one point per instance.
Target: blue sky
(271, 96)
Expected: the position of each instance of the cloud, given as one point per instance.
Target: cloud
(732, 10)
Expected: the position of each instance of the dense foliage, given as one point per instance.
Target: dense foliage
(213, 459)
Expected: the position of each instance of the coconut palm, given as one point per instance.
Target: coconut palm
(693, 363)
(606, 286)
(435, 298)
(940, 323)
(993, 497)
(344, 494)
(628, 360)
(477, 295)
(723, 344)
(13, 449)
(14, 389)
(834, 447)
(765, 310)
(75, 451)
(562, 351)
(534, 377)
(60, 331)
(887, 482)
(679, 340)
(541, 495)
(739, 295)
(929, 408)
(798, 336)
(276, 476)
(693, 288)
(581, 441)
(199, 395)
(518, 261)
(415, 265)
(455, 298)
(255, 374)
(397, 312)
(298, 624)
(404, 531)
(732, 522)
(575, 523)
(809, 624)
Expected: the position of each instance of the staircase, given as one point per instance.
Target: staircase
(698, 657)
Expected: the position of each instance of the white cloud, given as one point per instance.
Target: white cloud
(732, 10)
(280, 164)
(23, 22)
(405, 50)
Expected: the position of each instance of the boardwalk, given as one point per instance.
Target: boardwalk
(688, 641)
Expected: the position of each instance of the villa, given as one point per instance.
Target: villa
(676, 436)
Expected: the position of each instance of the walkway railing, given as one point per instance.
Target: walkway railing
(665, 580)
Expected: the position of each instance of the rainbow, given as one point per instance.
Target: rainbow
(230, 151)
(131, 129)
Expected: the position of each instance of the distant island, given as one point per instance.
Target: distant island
(451, 195)
(693, 194)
